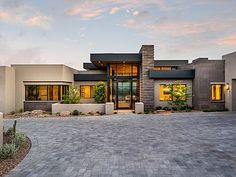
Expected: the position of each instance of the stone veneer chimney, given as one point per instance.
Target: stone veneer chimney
(146, 84)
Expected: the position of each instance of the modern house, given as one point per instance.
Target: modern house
(130, 78)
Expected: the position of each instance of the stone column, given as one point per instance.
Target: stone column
(1, 128)
(147, 85)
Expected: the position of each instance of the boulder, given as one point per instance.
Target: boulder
(37, 112)
(65, 113)
(26, 113)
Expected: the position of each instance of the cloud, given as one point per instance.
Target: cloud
(229, 40)
(179, 28)
(3, 14)
(40, 21)
(94, 8)
(15, 13)
(136, 13)
(114, 10)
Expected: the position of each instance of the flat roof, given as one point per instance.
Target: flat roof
(170, 62)
(102, 59)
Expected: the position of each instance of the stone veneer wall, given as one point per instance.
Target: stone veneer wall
(146, 84)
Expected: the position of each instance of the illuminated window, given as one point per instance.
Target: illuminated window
(216, 92)
(124, 69)
(164, 68)
(87, 91)
(164, 93)
(45, 92)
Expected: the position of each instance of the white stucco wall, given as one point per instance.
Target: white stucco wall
(84, 108)
(7, 89)
(40, 74)
(230, 75)
(157, 84)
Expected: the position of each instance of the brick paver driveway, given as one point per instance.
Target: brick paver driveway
(184, 145)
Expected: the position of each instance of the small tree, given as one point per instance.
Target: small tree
(100, 92)
(72, 96)
(179, 95)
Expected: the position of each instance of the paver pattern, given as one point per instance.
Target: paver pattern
(129, 145)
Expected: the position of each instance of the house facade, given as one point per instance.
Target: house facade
(129, 77)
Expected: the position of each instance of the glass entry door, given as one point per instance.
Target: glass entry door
(124, 94)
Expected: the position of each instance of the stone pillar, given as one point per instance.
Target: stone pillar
(1, 128)
(139, 108)
(146, 84)
(109, 108)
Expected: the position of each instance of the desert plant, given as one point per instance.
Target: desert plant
(179, 95)
(158, 108)
(12, 112)
(14, 128)
(21, 110)
(7, 150)
(100, 92)
(72, 96)
(19, 139)
(75, 113)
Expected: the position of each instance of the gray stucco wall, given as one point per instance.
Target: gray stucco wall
(230, 78)
(206, 71)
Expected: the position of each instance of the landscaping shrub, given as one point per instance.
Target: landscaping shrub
(166, 108)
(158, 108)
(75, 113)
(12, 112)
(7, 150)
(19, 140)
(72, 96)
(179, 95)
(100, 92)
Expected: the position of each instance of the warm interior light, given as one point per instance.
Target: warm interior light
(227, 86)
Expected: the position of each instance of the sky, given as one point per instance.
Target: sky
(67, 31)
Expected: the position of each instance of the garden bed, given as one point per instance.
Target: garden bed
(9, 163)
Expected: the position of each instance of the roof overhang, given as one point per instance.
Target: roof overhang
(90, 77)
(172, 74)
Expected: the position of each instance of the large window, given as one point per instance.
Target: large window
(87, 91)
(217, 92)
(45, 92)
(124, 69)
(164, 91)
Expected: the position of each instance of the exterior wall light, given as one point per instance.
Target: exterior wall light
(227, 86)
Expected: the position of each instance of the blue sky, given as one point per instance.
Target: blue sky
(67, 31)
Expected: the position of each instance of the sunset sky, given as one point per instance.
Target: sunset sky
(67, 31)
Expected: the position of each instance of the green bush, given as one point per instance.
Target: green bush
(75, 113)
(7, 150)
(179, 95)
(100, 92)
(19, 139)
(72, 96)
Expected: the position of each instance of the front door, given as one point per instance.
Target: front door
(124, 94)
